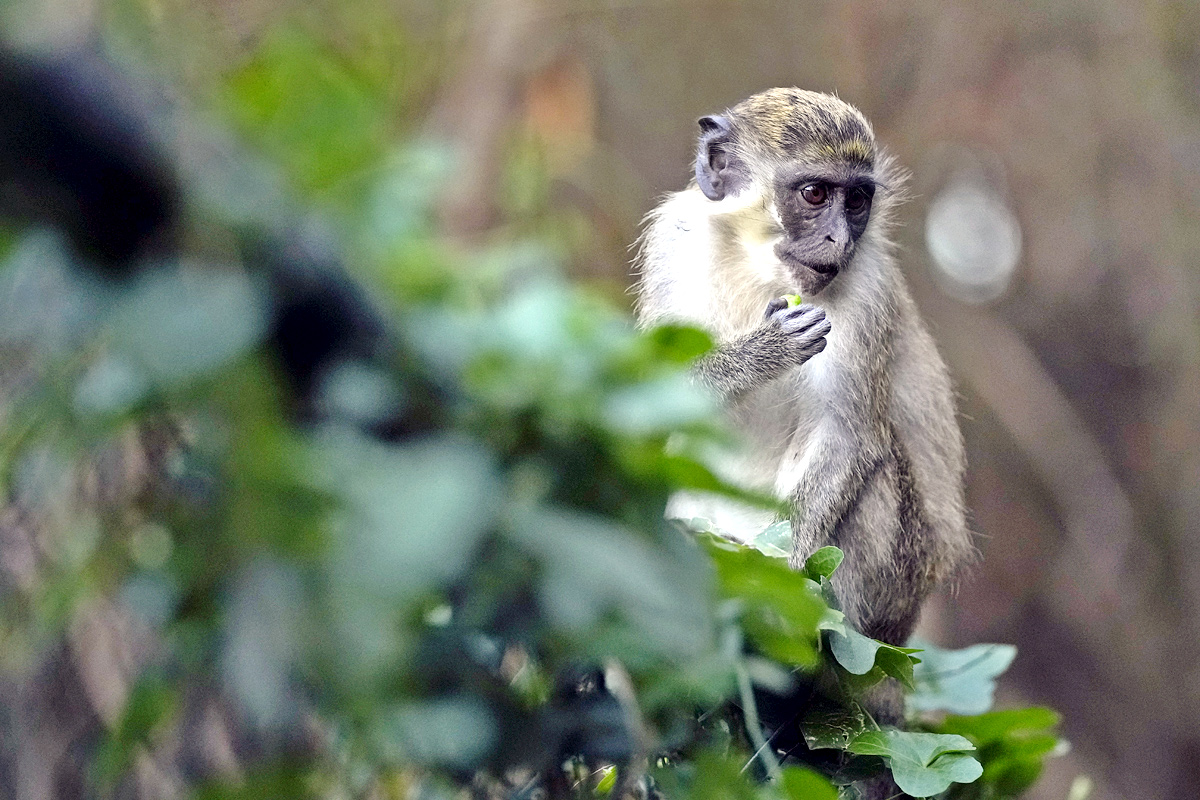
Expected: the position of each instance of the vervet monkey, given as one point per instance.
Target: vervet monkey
(845, 405)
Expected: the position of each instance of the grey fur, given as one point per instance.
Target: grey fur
(847, 409)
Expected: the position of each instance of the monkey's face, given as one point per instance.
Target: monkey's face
(809, 159)
(824, 210)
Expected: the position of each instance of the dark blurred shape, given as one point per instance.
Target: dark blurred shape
(321, 318)
(75, 155)
(588, 718)
(323, 324)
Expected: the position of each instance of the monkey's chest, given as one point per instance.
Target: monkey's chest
(778, 423)
(773, 424)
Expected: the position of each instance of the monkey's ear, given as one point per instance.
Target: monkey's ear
(717, 171)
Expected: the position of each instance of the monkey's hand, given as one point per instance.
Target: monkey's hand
(787, 338)
(804, 327)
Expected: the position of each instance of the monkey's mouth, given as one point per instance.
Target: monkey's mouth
(812, 280)
(812, 277)
(809, 269)
(823, 269)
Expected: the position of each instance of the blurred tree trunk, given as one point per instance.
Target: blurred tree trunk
(477, 110)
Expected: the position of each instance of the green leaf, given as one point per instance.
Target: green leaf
(400, 202)
(657, 407)
(855, 652)
(607, 781)
(1011, 777)
(412, 515)
(798, 783)
(861, 655)
(712, 776)
(896, 663)
(835, 728)
(1013, 745)
(775, 540)
(454, 731)
(685, 472)
(680, 344)
(592, 567)
(958, 681)
(290, 780)
(823, 562)
(175, 327)
(112, 384)
(310, 108)
(151, 704)
(781, 615)
(922, 764)
(996, 726)
(264, 617)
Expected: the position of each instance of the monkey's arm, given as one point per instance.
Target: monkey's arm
(788, 338)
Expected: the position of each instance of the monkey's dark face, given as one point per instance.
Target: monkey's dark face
(824, 212)
(822, 195)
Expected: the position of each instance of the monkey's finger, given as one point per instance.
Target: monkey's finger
(801, 318)
(810, 349)
(811, 334)
(777, 304)
(822, 328)
(804, 309)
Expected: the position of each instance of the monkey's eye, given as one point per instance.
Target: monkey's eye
(815, 193)
(857, 199)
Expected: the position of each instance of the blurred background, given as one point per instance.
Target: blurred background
(1052, 244)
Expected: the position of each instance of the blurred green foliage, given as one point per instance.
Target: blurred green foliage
(422, 599)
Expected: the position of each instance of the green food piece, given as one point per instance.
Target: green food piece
(793, 300)
(607, 782)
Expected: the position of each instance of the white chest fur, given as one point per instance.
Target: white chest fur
(728, 294)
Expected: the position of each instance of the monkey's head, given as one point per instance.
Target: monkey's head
(812, 161)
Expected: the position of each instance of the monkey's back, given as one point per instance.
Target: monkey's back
(924, 416)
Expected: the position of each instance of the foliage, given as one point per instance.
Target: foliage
(960, 681)
(1012, 744)
(996, 754)
(437, 599)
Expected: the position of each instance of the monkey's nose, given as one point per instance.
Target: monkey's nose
(837, 233)
(838, 245)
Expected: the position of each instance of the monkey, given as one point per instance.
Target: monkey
(845, 408)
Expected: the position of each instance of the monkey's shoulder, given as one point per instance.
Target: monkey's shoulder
(677, 207)
(674, 261)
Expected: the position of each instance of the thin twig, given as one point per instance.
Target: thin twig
(620, 685)
(750, 712)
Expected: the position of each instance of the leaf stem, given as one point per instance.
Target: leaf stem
(753, 727)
